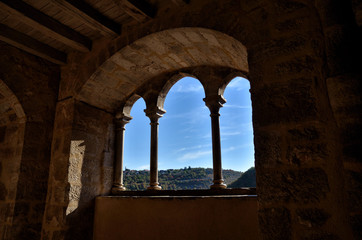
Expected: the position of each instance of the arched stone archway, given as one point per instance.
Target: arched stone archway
(291, 112)
(12, 128)
(157, 54)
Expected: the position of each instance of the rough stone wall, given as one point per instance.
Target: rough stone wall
(299, 177)
(306, 113)
(296, 145)
(12, 125)
(35, 84)
(343, 50)
(81, 169)
(11, 145)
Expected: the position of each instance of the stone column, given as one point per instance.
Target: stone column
(154, 114)
(120, 123)
(214, 103)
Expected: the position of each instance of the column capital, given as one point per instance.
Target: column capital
(154, 113)
(121, 117)
(214, 103)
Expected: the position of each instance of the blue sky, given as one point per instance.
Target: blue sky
(185, 129)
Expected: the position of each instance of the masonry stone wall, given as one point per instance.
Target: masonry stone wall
(81, 169)
(300, 57)
(297, 144)
(34, 82)
(11, 145)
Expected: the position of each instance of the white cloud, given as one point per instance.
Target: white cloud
(193, 155)
(188, 88)
(192, 148)
(230, 133)
(237, 106)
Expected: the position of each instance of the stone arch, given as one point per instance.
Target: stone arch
(156, 54)
(168, 85)
(127, 106)
(12, 129)
(10, 107)
(228, 79)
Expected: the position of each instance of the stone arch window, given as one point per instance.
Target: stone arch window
(196, 55)
(155, 110)
(185, 128)
(137, 145)
(236, 130)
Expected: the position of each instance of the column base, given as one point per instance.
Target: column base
(218, 184)
(118, 188)
(154, 187)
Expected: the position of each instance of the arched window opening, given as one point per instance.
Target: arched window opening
(137, 149)
(236, 132)
(185, 151)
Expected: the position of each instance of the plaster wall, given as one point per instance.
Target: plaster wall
(192, 218)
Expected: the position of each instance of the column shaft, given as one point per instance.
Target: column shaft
(154, 184)
(118, 170)
(214, 103)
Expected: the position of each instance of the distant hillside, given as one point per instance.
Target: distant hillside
(247, 179)
(177, 179)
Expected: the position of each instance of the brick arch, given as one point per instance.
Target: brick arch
(156, 54)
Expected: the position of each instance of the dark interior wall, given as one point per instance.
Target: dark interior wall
(305, 91)
(35, 83)
(341, 21)
(297, 139)
(11, 146)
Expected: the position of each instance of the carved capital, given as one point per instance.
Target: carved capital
(121, 120)
(154, 113)
(214, 103)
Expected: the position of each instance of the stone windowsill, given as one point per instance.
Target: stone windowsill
(192, 193)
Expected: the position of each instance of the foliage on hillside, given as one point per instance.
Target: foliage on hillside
(247, 179)
(177, 179)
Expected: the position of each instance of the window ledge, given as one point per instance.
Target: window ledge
(195, 192)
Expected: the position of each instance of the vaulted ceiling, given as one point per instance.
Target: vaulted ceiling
(52, 28)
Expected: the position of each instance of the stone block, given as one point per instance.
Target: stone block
(59, 235)
(320, 236)
(304, 65)
(308, 185)
(312, 217)
(275, 223)
(354, 190)
(285, 103)
(267, 148)
(281, 47)
(287, 6)
(308, 133)
(304, 154)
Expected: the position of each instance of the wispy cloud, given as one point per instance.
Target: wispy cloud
(193, 155)
(192, 148)
(230, 133)
(143, 167)
(188, 88)
(239, 84)
(237, 106)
